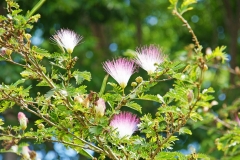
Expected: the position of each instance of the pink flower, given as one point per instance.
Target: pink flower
(26, 152)
(120, 69)
(125, 123)
(67, 39)
(22, 120)
(3, 51)
(100, 107)
(237, 119)
(148, 56)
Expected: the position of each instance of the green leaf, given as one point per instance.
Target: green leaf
(39, 121)
(43, 83)
(2, 18)
(195, 116)
(173, 1)
(4, 105)
(81, 76)
(2, 31)
(20, 81)
(134, 106)
(85, 153)
(177, 65)
(149, 97)
(170, 155)
(173, 109)
(185, 5)
(50, 93)
(116, 88)
(161, 98)
(184, 130)
(41, 52)
(209, 90)
(1, 122)
(202, 156)
(96, 130)
(188, 2)
(15, 12)
(218, 53)
(28, 74)
(13, 4)
(5, 138)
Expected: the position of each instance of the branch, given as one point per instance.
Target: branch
(24, 104)
(197, 44)
(109, 151)
(35, 8)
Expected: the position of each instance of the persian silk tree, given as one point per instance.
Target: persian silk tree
(80, 119)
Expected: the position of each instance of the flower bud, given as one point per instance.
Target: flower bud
(100, 107)
(79, 99)
(83, 101)
(27, 36)
(133, 84)
(22, 120)
(3, 51)
(190, 96)
(25, 152)
(237, 119)
(237, 70)
(40, 126)
(14, 148)
(208, 51)
(8, 52)
(205, 67)
(139, 79)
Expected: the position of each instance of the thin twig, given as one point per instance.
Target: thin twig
(199, 47)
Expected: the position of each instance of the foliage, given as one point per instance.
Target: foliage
(67, 110)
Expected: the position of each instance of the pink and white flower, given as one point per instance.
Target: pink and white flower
(148, 56)
(125, 123)
(22, 120)
(100, 107)
(67, 39)
(120, 69)
(26, 153)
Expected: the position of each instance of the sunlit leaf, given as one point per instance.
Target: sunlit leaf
(185, 130)
(134, 106)
(149, 97)
(81, 76)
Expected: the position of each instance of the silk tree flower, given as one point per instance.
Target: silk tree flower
(148, 56)
(100, 107)
(125, 123)
(22, 120)
(67, 39)
(26, 153)
(120, 69)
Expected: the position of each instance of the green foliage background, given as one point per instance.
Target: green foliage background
(133, 23)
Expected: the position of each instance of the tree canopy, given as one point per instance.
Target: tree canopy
(113, 29)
